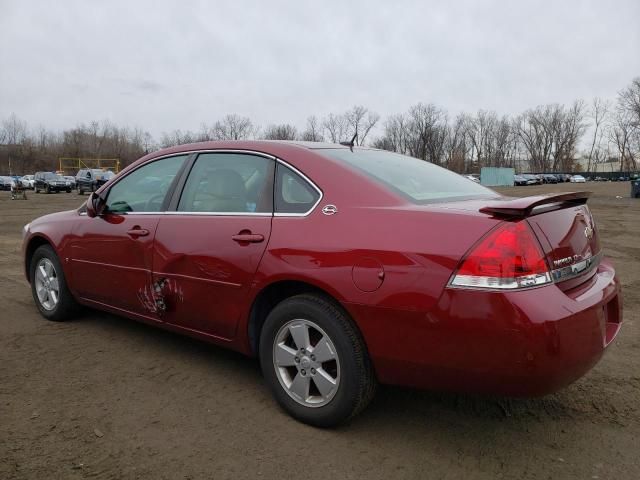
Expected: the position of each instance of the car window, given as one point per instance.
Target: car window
(144, 189)
(416, 180)
(293, 193)
(228, 183)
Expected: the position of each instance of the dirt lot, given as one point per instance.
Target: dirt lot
(105, 397)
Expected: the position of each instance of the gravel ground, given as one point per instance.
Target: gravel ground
(105, 397)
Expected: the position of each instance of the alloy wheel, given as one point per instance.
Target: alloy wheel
(47, 286)
(306, 363)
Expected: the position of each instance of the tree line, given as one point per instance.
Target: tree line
(547, 138)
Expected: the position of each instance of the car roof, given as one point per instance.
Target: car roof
(257, 145)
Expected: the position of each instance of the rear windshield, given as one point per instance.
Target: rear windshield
(418, 181)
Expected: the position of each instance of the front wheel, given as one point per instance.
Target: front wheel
(315, 361)
(49, 286)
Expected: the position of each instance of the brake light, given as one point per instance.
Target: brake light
(508, 257)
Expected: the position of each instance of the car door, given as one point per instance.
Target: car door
(208, 248)
(111, 254)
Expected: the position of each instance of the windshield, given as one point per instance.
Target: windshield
(51, 176)
(417, 180)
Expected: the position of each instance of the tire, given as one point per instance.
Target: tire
(65, 306)
(349, 367)
(68, 190)
(80, 191)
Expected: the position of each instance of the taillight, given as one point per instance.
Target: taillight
(508, 257)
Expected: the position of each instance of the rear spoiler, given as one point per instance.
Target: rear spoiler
(524, 207)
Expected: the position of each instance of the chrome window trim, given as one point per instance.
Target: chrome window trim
(229, 214)
(220, 214)
(306, 179)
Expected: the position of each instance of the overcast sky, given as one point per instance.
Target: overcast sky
(167, 65)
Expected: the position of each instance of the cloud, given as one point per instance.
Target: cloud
(169, 65)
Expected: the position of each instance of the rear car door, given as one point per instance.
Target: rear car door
(207, 249)
(111, 254)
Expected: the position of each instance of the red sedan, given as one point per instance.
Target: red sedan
(339, 268)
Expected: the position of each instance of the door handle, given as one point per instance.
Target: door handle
(138, 232)
(248, 238)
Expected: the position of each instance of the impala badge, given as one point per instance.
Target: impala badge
(329, 209)
(588, 232)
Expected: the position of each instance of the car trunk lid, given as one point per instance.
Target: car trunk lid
(565, 228)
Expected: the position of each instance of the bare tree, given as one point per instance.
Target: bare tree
(234, 127)
(598, 113)
(426, 132)
(360, 120)
(313, 132)
(14, 130)
(568, 127)
(456, 145)
(280, 132)
(629, 100)
(550, 134)
(395, 134)
(622, 134)
(336, 127)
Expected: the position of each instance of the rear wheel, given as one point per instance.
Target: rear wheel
(315, 361)
(49, 286)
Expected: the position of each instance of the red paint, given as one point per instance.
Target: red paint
(386, 261)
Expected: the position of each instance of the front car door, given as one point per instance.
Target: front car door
(111, 254)
(208, 248)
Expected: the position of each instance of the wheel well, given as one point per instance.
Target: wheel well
(272, 295)
(34, 243)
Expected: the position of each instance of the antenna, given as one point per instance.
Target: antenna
(352, 142)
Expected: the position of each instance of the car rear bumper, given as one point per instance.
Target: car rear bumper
(525, 343)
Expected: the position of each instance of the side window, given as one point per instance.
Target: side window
(229, 183)
(144, 189)
(293, 193)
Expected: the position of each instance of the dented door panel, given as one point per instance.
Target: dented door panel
(202, 270)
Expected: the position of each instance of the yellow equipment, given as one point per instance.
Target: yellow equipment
(70, 165)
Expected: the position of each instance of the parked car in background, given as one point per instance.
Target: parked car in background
(91, 179)
(549, 178)
(564, 177)
(298, 254)
(28, 181)
(532, 179)
(5, 183)
(521, 180)
(577, 179)
(71, 179)
(50, 182)
(473, 178)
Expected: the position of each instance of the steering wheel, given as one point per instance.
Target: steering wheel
(155, 203)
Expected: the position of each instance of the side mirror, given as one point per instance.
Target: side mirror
(95, 205)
